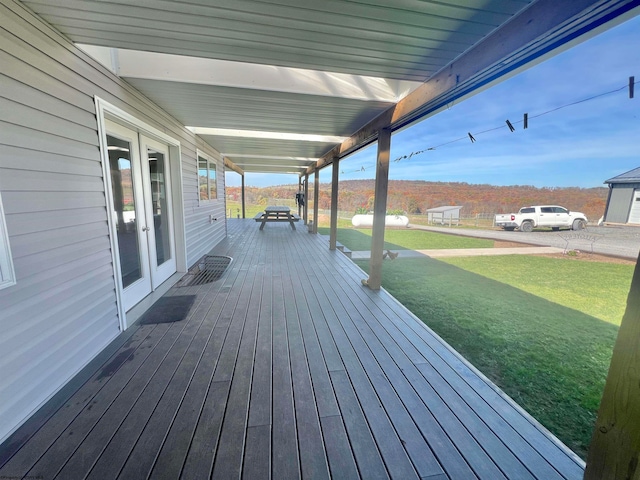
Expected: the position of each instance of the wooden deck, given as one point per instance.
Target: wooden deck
(286, 367)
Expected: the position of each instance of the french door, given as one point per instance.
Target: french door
(141, 210)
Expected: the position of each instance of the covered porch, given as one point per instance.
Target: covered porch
(285, 367)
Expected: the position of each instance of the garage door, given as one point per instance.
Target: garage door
(634, 214)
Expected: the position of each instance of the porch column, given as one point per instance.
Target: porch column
(615, 446)
(299, 190)
(379, 210)
(243, 206)
(316, 197)
(333, 231)
(306, 199)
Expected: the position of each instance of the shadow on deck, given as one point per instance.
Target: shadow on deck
(286, 367)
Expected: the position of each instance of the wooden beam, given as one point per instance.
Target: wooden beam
(316, 198)
(615, 446)
(232, 166)
(333, 230)
(545, 26)
(379, 210)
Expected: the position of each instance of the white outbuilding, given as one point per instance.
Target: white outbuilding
(446, 215)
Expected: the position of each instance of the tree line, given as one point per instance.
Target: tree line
(415, 196)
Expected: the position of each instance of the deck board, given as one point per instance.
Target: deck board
(286, 367)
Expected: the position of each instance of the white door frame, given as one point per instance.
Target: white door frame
(107, 110)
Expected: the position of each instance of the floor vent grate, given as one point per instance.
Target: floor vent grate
(209, 269)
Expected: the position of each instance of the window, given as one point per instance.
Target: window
(207, 179)
(7, 274)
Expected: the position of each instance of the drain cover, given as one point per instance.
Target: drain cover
(209, 269)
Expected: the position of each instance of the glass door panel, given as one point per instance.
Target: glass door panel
(159, 205)
(124, 209)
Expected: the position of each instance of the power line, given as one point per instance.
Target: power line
(508, 124)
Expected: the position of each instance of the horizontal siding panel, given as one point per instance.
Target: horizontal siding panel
(36, 99)
(47, 283)
(25, 223)
(35, 315)
(34, 243)
(38, 161)
(40, 80)
(37, 330)
(40, 121)
(41, 385)
(23, 202)
(17, 136)
(53, 259)
(28, 181)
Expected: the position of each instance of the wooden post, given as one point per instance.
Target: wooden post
(299, 190)
(306, 199)
(316, 197)
(615, 446)
(242, 192)
(379, 210)
(333, 230)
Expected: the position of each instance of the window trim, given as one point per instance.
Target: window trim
(210, 162)
(7, 272)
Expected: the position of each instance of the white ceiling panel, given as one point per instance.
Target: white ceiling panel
(407, 40)
(246, 109)
(266, 147)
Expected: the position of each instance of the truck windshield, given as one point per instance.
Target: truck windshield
(527, 210)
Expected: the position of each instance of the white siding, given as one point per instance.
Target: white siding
(62, 310)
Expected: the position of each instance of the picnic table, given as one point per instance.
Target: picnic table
(276, 214)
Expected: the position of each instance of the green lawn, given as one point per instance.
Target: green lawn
(360, 239)
(541, 328)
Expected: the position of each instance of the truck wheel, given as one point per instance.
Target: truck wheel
(526, 226)
(578, 225)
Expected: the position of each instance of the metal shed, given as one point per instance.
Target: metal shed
(623, 202)
(444, 215)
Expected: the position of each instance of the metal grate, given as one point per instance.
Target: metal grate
(209, 269)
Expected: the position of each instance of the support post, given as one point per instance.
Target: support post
(615, 446)
(316, 198)
(242, 190)
(333, 230)
(379, 210)
(299, 191)
(306, 199)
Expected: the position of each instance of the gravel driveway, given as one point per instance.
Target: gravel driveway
(617, 241)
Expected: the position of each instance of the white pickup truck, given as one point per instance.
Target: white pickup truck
(552, 216)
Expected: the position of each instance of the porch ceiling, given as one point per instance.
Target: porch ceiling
(333, 67)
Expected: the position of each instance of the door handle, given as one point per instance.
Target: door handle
(145, 229)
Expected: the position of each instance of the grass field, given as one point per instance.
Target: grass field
(541, 328)
(360, 239)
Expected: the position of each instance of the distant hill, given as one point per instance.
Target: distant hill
(415, 197)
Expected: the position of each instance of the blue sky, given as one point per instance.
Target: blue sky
(580, 145)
